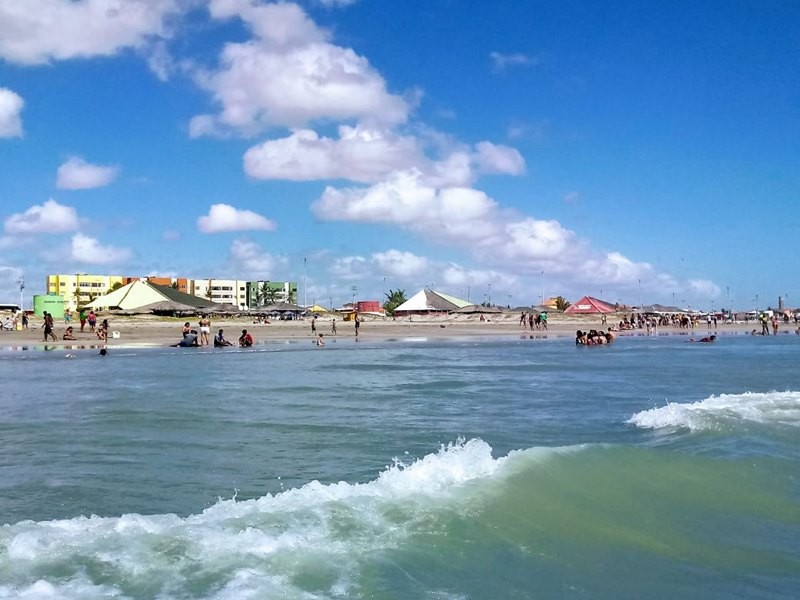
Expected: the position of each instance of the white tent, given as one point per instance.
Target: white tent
(429, 301)
(140, 293)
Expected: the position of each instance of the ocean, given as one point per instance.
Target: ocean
(441, 469)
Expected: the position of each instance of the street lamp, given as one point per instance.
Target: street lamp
(490, 294)
(355, 289)
(21, 282)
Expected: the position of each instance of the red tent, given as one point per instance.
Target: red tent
(589, 306)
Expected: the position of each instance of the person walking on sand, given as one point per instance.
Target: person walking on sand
(314, 325)
(82, 317)
(92, 318)
(333, 327)
(48, 327)
(357, 324)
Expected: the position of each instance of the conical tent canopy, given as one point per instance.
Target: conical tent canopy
(140, 293)
(589, 306)
(429, 301)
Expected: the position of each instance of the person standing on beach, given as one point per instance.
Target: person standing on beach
(333, 327)
(82, 317)
(358, 324)
(314, 325)
(205, 330)
(102, 331)
(92, 318)
(544, 320)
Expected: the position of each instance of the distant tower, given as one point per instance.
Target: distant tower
(780, 303)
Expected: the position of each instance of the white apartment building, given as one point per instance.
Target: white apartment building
(221, 291)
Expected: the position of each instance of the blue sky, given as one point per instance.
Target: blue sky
(629, 149)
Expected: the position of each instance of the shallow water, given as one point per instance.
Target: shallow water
(502, 468)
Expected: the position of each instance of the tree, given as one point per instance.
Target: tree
(116, 286)
(292, 297)
(394, 298)
(174, 285)
(562, 303)
(266, 294)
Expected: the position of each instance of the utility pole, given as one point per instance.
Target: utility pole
(305, 287)
(21, 282)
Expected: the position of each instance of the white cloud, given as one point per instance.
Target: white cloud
(501, 61)
(336, 3)
(50, 217)
(368, 155)
(289, 74)
(87, 250)
(40, 31)
(469, 219)
(404, 265)
(248, 259)
(77, 174)
(10, 113)
(359, 154)
(704, 288)
(496, 159)
(224, 217)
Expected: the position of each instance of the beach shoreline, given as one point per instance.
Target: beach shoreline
(151, 331)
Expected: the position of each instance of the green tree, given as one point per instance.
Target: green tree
(266, 294)
(562, 303)
(116, 286)
(394, 298)
(292, 297)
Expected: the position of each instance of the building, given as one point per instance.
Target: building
(220, 291)
(177, 283)
(430, 302)
(261, 293)
(80, 289)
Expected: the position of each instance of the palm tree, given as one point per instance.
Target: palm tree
(291, 298)
(562, 303)
(266, 294)
(394, 298)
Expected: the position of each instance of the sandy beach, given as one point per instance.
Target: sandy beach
(163, 331)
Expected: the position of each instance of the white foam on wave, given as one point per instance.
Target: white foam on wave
(252, 548)
(716, 412)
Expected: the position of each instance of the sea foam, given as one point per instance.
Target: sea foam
(723, 411)
(253, 548)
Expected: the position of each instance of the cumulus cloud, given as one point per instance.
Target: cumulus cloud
(469, 219)
(367, 155)
(10, 113)
(50, 217)
(77, 174)
(359, 154)
(248, 259)
(495, 159)
(40, 31)
(224, 217)
(87, 250)
(289, 74)
(401, 264)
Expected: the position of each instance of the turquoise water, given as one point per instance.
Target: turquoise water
(440, 469)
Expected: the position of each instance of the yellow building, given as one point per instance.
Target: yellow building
(80, 289)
